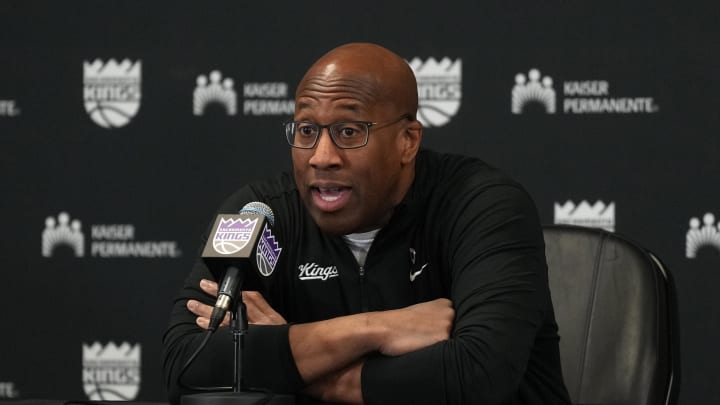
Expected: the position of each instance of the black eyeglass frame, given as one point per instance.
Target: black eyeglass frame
(290, 126)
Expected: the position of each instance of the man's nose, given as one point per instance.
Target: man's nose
(326, 154)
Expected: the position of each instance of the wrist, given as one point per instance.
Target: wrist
(376, 330)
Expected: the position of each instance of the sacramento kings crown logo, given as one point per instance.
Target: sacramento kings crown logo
(62, 232)
(699, 236)
(112, 92)
(439, 90)
(233, 234)
(598, 215)
(214, 91)
(267, 252)
(533, 91)
(111, 373)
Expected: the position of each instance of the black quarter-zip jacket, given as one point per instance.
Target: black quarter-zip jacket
(464, 231)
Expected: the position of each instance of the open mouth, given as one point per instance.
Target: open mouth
(329, 194)
(330, 198)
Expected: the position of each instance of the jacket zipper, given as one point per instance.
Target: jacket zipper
(363, 297)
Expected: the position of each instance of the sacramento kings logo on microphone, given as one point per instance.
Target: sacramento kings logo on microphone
(233, 235)
(267, 252)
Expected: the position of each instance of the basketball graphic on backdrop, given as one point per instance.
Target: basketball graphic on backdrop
(111, 372)
(112, 91)
(439, 86)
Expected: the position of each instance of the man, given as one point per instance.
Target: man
(433, 286)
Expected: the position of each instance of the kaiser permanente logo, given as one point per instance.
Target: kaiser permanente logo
(259, 98)
(439, 89)
(216, 90)
(702, 235)
(9, 108)
(112, 91)
(579, 97)
(107, 241)
(267, 98)
(598, 215)
(111, 372)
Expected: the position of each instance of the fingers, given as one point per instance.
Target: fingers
(259, 312)
(209, 287)
(203, 312)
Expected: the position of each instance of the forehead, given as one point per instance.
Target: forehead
(329, 88)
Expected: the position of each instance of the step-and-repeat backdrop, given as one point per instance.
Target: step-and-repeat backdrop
(124, 124)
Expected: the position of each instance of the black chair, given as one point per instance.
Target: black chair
(615, 306)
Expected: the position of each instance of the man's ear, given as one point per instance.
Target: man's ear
(411, 137)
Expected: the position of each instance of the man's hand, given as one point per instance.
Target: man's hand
(415, 327)
(329, 354)
(325, 347)
(259, 312)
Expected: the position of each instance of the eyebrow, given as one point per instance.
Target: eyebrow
(300, 105)
(349, 106)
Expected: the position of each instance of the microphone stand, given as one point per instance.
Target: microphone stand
(239, 324)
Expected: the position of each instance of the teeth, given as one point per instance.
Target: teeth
(329, 198)
(330, 194)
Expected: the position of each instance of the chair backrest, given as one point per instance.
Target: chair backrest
(617, 314)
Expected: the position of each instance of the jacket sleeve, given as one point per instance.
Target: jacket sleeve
(498, 286)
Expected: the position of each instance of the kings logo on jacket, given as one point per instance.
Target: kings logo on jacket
(313, 271)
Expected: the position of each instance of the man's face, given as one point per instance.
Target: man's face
(348, 190)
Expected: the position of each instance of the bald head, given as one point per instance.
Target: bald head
(376, 74)
(356, 189)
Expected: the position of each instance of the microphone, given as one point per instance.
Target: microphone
(235, 240)
(226, 292)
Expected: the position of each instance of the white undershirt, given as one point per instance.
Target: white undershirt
(359, 244)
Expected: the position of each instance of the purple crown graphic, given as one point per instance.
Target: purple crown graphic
(236, 225)
(270, 239)
(268, 252)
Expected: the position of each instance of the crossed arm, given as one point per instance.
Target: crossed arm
(330, 354)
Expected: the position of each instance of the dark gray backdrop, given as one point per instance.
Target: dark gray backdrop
(167, 170)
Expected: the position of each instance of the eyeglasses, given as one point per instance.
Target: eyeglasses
(344, 134)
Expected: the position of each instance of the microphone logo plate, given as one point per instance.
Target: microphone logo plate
(233, 234)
